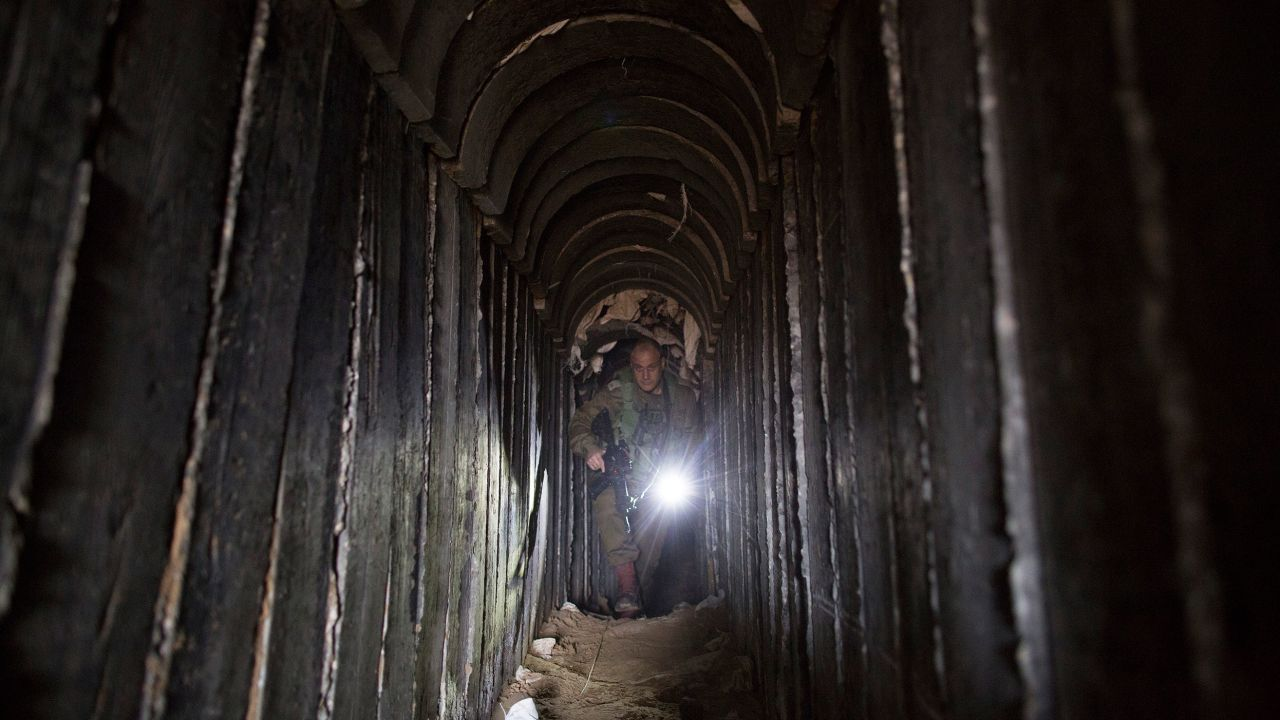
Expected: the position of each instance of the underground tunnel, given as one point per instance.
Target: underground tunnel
(974, 302)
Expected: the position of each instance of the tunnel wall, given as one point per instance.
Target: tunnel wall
(273, 408)
(973, 456)
(992, 413)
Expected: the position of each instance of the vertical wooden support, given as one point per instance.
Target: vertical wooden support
(57, 63)
(106, 471)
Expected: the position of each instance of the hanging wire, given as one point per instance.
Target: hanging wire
(684, 199)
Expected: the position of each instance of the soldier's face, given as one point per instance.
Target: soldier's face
(647, 366)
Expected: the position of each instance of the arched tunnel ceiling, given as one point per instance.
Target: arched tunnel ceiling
(610, 144)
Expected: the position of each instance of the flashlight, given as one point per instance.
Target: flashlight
(672, 487)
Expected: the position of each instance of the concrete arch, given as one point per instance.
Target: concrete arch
(642, 175)
(412, 44)
(557, 49)
(651, 231)
(575, 125)
(795, 34)
(424, 37)
(612, 331)
(644, 189)
(634, 256)
(639, 220)
(625, 142)
(493, 67)
(658, 114)
(492, 163)
(633, 212)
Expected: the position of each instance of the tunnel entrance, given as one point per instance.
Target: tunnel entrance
(978, 298)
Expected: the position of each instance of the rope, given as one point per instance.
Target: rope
(599, 647)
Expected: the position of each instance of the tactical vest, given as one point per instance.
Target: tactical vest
(627, 419)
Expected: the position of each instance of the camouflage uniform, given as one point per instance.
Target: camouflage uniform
(658, 427)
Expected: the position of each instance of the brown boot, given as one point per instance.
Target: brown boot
(628, 603)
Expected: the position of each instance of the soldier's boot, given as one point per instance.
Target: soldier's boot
(628, 602)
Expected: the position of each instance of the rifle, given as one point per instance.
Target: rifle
(617, 467)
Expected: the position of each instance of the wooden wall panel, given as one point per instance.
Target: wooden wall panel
(237, 503)
(1077, 284)
(952, 273)
(294, 668)
(378, 641)
(997, 272)
(1198, 112)
(290, 468)
(51, 59)
(107, 473)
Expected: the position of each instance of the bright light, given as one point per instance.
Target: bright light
(672, 487)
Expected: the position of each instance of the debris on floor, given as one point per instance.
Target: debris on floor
(542, 647)
(682, 666)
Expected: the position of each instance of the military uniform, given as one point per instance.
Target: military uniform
(659, 427)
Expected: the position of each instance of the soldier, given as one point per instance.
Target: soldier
(657, 418)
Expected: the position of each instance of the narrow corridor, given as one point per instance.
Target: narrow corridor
(976, 300)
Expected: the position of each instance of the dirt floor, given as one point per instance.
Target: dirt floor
(678, 667)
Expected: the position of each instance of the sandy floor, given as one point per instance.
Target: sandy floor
(677, 667)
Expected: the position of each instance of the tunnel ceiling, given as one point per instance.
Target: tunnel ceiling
(610, 145)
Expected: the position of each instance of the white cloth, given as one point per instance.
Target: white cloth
(523, 710)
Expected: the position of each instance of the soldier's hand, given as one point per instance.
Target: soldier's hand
(595, 461)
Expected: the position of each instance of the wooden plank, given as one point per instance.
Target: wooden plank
(381, 519)
(465, 580)
(309, 467)
(358, 584)
(816, 496)
(110, 462)
(236, 511)
(441, 479)
(427, 603)
(431, 393)
(310, 463)
(46, 113)
(957, 356)
(1195, 79)
(403, 419)
(488, 607)
(870, 204)
(1076, 289)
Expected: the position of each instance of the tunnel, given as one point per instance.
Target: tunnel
(977, 297)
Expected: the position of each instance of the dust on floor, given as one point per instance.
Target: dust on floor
(678, 667)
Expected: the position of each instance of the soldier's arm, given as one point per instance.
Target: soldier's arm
(582, 441)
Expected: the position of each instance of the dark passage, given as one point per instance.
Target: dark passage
(978, 299)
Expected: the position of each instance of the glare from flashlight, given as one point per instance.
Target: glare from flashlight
(672, 487)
